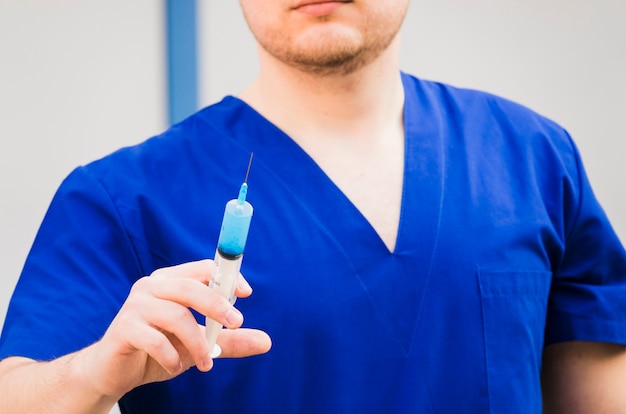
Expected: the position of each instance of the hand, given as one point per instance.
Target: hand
(155, 337)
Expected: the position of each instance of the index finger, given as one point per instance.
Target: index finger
(201, 271)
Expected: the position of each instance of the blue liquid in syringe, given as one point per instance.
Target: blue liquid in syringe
(235, 225)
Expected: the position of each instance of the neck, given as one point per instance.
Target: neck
(304, 104)
(350, 124)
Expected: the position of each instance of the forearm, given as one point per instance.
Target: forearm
(58, 386)
(584, 377)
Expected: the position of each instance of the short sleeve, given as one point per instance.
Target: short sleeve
(76, 276)
(588, 293)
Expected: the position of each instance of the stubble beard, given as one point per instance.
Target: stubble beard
(334, 54)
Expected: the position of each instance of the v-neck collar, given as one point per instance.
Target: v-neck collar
(422, 180)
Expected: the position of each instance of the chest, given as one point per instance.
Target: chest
(371, 177)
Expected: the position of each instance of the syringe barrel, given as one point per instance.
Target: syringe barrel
(223, 281)
(235, 226)
(228, 256)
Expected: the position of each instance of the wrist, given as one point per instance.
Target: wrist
(83, 376)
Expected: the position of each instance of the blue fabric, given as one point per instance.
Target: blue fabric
(502, 249)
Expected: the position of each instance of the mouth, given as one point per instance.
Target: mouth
(303, 3)
(319, 7)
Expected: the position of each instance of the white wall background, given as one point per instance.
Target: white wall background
(80, 78)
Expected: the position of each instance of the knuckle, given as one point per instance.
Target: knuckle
(158, 273)
(179, 313)
(188, 286)
(125, 321)
(157, 343)
(141, 284)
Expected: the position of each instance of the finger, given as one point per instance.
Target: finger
(242, 288)
(178, 320)
(199, 270)
(194, 294)
(153, 342)
(243, 342)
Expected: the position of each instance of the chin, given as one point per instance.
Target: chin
(329, 43)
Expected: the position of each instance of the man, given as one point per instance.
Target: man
(415, 248)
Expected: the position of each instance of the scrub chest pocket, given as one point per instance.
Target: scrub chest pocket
(513, 306)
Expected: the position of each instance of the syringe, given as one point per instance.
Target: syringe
(228, 256)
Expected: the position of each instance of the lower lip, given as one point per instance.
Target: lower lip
(320, 9)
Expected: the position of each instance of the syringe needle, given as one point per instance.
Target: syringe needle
(249, 165)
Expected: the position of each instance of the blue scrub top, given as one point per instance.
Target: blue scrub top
(501, 250)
